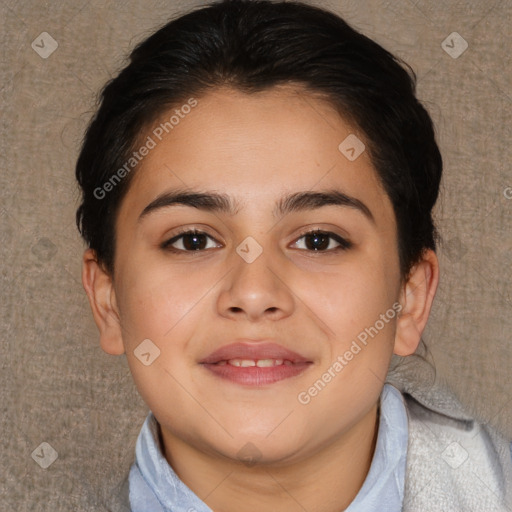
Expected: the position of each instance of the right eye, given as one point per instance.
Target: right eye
(189, 240)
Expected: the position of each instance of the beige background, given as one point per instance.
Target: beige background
(57, 386)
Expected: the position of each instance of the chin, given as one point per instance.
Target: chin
(263, 450)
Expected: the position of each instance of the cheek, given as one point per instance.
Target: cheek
(163, 307)
(356, 304)
(361, 321)
(155, 301)
(352, 298)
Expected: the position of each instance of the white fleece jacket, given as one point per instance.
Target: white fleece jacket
(455, 463)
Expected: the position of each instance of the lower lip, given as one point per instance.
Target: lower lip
(255, 375)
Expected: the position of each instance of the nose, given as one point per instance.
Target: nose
(256, 290)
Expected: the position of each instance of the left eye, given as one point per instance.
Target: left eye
(320, 241)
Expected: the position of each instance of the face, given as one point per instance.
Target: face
(294, 285)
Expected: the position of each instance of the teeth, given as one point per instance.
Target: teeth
(242, 362)
(261, 363)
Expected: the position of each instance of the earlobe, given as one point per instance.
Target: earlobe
(416, 298)
(101, 294)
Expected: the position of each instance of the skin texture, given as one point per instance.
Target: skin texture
(257, 148)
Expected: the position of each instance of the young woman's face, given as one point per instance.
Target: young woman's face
(254, 276)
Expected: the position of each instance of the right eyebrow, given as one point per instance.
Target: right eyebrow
(210, 202)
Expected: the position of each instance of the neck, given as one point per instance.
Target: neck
(326, 481)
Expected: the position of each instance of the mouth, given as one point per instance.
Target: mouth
(255, 364)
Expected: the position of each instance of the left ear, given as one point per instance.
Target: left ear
(416, 298)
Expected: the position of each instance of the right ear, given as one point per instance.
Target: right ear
(102, 298)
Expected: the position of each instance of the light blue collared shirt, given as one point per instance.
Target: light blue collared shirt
(155, 487)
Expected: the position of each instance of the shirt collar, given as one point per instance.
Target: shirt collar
(383, 488)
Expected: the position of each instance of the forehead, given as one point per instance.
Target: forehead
(256, 147)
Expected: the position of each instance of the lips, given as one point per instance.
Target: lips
(255, 363)
(253, 351)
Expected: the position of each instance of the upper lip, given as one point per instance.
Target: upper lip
(253, 350)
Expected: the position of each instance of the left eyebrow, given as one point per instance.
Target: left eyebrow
(312, 200)
(215, 202)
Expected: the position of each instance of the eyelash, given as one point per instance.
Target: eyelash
(344, 244)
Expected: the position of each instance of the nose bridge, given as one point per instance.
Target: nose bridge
(253, 266)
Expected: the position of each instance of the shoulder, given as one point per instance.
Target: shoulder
(453, 459)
